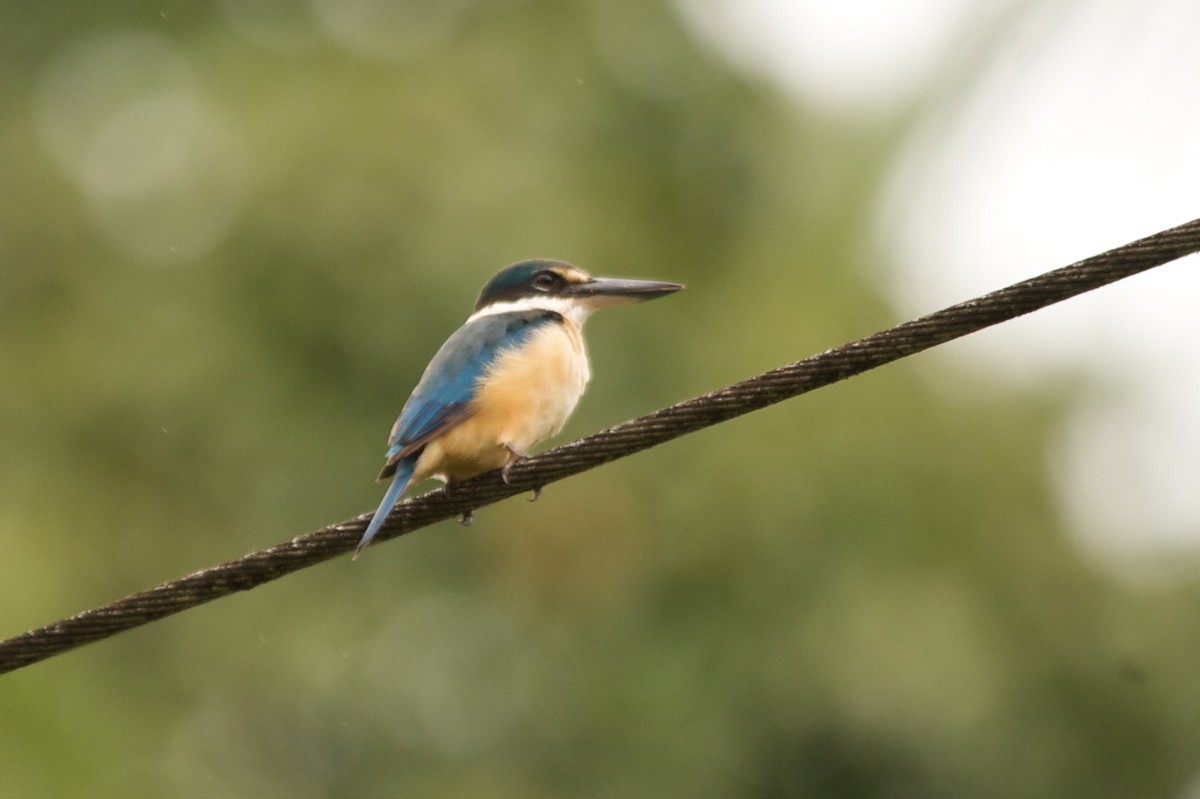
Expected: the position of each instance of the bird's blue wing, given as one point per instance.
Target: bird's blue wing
(442, 397)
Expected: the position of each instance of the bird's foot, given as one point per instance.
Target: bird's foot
(537, 492)
(466, 517)
(515, 456)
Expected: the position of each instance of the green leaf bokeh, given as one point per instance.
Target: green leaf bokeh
(230, 239)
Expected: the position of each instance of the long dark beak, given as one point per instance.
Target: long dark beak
(613, 290)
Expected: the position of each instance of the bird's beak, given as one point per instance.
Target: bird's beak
(602, 291)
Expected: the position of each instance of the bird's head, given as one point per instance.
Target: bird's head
(561, 287)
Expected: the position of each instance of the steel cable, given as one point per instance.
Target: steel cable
(626, 438)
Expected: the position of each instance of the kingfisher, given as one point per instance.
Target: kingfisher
(504, 381)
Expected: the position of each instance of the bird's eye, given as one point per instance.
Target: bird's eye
(546, 281)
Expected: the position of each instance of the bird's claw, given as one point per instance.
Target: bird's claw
(537, 493)
(466, 517)
(516, 456)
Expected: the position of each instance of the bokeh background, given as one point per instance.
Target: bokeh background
(232, 234)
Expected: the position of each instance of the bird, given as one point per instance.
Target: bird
(506, 380)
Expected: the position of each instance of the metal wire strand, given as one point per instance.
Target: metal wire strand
(626, 438)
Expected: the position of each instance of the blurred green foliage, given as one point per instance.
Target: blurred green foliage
(225, 260)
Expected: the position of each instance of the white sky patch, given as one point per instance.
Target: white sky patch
(1082, 133)
(1081, 136)
(859, 57)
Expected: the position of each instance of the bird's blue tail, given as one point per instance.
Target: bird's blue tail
(404, 470)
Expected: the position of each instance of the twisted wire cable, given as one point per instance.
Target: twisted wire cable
(624, 439)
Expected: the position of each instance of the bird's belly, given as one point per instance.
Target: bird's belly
(463, 452)
(525, 397)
